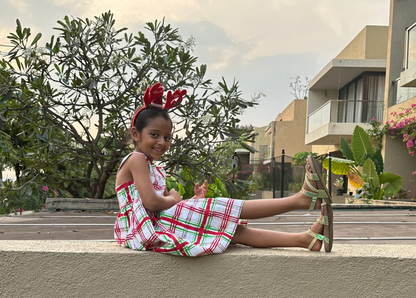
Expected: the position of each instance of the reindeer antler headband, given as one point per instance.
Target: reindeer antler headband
(153, 98)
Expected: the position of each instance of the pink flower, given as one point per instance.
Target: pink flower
(409, 144)
(373, 119)
(22, 210)
(45, 188)
(57, 192)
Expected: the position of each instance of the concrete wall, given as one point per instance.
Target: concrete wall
(370, 43)
(318, 97)
(396, 157)
(290, 128)
(402, 15)
(94, 269)
(260, 140)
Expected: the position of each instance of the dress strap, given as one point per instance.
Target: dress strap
(125, 158)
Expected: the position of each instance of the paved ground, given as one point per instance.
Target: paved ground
(363, 226)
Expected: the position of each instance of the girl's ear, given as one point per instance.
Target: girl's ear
(135, 134)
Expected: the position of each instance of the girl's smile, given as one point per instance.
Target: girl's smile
(154, 140)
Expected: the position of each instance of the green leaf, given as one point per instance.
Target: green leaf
(247, 147)
(378, 161)
(346, 149)
(370, 173)
(19, 28)
(395, 183)
(181, 189)
(37, 37)
(339, 166)
(361, 145)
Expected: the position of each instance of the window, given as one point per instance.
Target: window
(411, 46)
(362, 99)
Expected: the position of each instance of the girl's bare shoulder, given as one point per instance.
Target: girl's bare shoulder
(133, 165)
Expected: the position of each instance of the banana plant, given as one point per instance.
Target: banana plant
(364, 165)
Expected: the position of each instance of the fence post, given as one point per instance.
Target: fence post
(274, 176)
(329, 173)
(282, 178)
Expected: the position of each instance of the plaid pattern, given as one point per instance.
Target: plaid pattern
(190, 228)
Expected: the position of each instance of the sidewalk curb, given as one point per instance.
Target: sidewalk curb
(29, 212)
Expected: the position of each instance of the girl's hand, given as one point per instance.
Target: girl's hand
(175, 195)
(201, 192)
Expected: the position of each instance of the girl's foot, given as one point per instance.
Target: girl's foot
(316, 229)
(304, 199)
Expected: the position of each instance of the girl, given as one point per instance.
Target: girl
(153, 218)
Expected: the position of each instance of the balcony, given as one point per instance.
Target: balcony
(408, 76)
(402, 92)
(338, 118)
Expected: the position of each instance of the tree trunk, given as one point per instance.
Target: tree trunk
(101, 185)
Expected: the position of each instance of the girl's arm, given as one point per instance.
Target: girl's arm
(139, 169)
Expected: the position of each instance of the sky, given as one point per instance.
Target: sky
(260, 44)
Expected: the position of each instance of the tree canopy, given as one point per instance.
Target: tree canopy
(68, 104)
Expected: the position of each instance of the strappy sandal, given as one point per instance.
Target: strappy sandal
(323, 220)
(317, 176)
(328, 227)
(316, 193)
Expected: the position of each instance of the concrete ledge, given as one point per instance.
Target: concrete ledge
(103, 269)
(70, 204)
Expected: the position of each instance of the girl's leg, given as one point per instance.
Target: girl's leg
(269, 207)
(266, 238)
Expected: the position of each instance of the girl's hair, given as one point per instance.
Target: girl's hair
(145, 116)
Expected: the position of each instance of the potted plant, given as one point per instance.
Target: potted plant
(339, 184)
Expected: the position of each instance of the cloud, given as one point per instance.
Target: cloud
(259, 43)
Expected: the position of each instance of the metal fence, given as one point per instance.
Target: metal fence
(280, 175)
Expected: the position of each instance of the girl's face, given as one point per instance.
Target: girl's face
(154, 140)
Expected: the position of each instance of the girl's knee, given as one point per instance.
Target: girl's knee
(239, 231)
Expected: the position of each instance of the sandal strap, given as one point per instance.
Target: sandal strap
(323, 220)
(313, 192)
(316, 237)
(311, 176)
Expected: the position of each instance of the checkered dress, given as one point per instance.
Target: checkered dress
(192, 227)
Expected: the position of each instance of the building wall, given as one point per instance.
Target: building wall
(370, 43)
(317, 98)
(396, 157)
(260, 140)
(402, 15)
(395, 153)
(290, 128)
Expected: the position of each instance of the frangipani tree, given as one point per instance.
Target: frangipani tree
(73, 98)
(363, 165)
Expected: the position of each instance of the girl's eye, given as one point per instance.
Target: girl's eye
(153, 135)
(167, 139)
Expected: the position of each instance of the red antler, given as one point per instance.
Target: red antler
(154, 96)
(174, 99)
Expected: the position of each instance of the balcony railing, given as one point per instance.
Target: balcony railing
(345, 111)
(403, 93)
